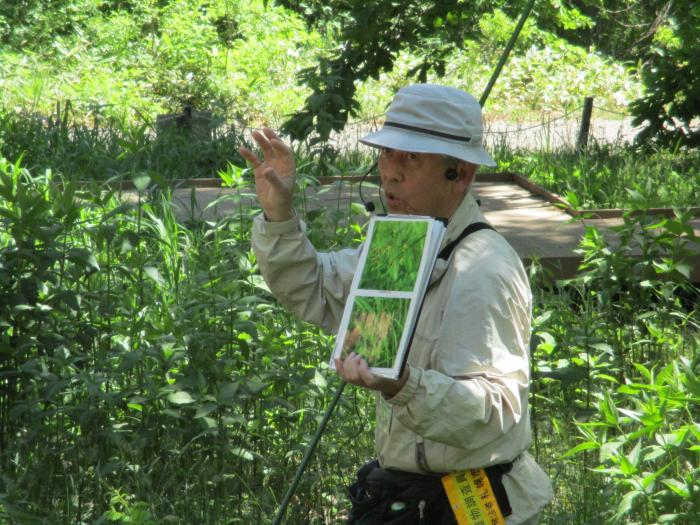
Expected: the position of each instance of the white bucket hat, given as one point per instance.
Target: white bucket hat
(427, 118)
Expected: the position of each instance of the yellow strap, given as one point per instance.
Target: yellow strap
(472, 498)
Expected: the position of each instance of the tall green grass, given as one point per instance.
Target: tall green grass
(611, 175)
(106, 148)
(394, 257)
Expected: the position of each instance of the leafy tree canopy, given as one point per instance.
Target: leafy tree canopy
(658, 36)
(670, 108)
(372, 33)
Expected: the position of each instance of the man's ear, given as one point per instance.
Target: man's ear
(466, 172)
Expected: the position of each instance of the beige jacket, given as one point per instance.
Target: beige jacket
(465, 402)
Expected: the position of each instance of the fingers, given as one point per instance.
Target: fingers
(270, 144)
(249, 156)
(354, 369)
(278, 145)
(270, 134)
(264, 143)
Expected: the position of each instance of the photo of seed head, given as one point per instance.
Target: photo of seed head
(374, 330)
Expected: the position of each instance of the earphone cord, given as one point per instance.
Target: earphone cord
(369, 206)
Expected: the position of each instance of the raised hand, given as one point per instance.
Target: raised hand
(274, 175)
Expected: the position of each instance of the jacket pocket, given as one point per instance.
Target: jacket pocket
(443, 458)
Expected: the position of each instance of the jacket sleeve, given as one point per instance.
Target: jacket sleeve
(311, 284)
(474, 388)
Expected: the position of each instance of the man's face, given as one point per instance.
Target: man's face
(415, 183)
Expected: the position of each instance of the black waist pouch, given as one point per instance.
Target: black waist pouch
(394, 497)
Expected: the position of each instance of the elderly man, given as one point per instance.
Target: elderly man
(461, 404)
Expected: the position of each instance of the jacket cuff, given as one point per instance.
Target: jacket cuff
(409, 388)
(265, 227)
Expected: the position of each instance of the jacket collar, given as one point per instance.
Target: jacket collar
(466, 213)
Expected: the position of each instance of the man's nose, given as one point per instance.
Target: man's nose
(390, 172)
(391, 169)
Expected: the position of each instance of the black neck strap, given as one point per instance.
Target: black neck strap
(445, 254)
(473, 227)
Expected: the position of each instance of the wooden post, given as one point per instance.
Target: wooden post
(582, 141)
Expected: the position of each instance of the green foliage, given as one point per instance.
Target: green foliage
(239, 60)
(611, 175)
(435, 34)
(645, 429)
(372, 34)
(109, 147)
(671, 75)
(602, 345)
(394, 257)
(622, 29)
(38, 23)
(132, 59)
(146, 373)
(649, 444)
(147, 376)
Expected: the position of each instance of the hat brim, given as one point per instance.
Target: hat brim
(405, 140)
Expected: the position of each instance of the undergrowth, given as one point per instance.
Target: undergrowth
(148, 376)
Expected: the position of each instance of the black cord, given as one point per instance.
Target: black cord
(309, 453)
(343, 446)
(369, 205)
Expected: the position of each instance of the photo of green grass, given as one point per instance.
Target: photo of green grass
(394, 256)
(374, 330)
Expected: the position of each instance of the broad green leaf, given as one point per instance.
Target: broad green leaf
(319, 380)
(676, 486)
(586, 445)
(141, 182)
(649, 478)
(254, 385)
(227, 392)
(210, 422)
(635, 454)
(180, 398)
(85, 257)
(630, 413)
(606, 405)
(242, 453)
(609, 449)
(670, 518)
(153, 273)
(646, 373)
(674, 439)
(654, 452)
(204, 410)
(626, 504)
